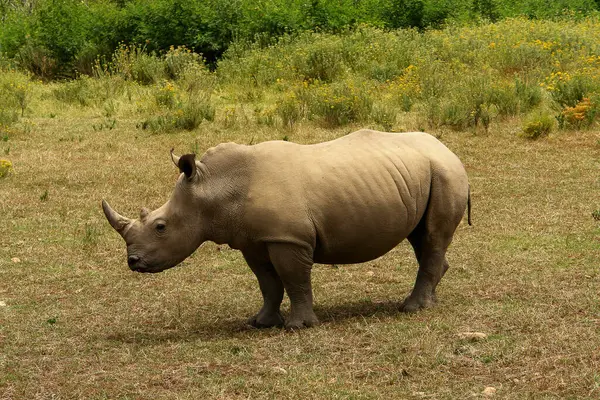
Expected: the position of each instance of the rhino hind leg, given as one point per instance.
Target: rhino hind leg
(294, 264)
(430, 240)
(432, 266)
(271, 288)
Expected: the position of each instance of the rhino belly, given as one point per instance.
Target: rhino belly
(356, 251)
(358, 233)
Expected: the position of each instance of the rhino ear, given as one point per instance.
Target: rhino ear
(187, 165)
(174, 158)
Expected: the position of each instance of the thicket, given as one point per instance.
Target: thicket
(543, 73)
(57, 38)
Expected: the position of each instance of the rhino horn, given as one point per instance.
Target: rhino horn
(116, 220)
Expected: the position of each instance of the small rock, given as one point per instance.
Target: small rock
(279, 370)
(489, 391)
(370, 273)
(2, 303)
(474, 336)
(16, 260)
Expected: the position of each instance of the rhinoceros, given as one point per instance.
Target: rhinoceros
(286, 206)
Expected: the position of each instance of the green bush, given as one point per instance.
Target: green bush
(538, 124)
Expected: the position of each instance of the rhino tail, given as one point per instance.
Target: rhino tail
(469, 207)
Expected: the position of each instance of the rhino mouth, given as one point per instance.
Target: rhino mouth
(145, 269)
(136, 264)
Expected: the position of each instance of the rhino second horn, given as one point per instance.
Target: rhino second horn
(117, 221)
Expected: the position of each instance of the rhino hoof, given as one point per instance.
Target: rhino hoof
(265, 320)
(294, 324)
(413, 304)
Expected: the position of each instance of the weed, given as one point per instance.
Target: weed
(339, 103)
(266, 116)
(6, 168)
(193, 111)
(90, 234)
(110, 108)
(166, 95)
(78, 91)
(384, 115)
(230, 117)
(289, 110)
(7, 151)
(107, 123)
(596, 214)
(44, 196)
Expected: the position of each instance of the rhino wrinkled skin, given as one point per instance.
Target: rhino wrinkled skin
(287, 206)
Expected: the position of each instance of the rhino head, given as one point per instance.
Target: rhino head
(163, 238)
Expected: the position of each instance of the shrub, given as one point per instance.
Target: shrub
(133, 62)
(581, 115)
(290, 110)
(568, 90)
(37, 60)
(178, 60)
(339, 103)
(321, 60)
(180, 108)
(538, 124)
(78, 91)
(16, 90)
(266, 115)
(384, 115)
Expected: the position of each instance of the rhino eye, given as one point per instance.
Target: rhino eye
(160, 227)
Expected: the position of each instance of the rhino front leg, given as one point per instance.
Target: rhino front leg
(271, 288)
(294, 264)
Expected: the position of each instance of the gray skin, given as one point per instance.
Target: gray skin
(287, 206)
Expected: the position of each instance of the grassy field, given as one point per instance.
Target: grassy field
(76, 323)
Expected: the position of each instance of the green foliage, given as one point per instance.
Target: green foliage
(56, 38)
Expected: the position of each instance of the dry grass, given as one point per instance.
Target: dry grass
(76, 323)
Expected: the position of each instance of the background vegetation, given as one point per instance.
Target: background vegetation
(543, 74)
(56, 38)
